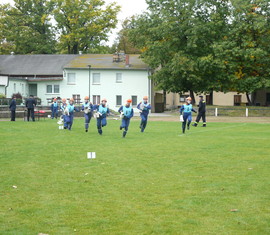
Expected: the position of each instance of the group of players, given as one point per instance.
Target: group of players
(101, 111)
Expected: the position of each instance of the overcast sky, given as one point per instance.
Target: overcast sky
(129, 8)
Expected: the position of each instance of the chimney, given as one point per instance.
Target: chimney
(127, 61)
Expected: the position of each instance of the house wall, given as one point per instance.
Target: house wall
(219, 98)
(2, 90)
(134, 83)
(17, 86)
(227, 99)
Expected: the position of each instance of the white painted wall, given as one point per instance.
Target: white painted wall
(134, 83)
(21, 86)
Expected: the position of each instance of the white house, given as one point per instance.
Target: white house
(115, 77)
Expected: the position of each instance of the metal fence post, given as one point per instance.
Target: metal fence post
(246, 112)
(216, 112)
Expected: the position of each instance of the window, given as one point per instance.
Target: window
(14, 87)
(118, 100)
(51, 89)
(96, 78)
(183, 98)
(71, 78)
(118, 77)
(56, 89)
(134, 100)
(96, 99)
(77, 99)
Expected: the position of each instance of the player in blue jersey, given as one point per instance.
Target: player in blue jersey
(126, 114)
(144, 108)
(70, 113)
(54, 109)
(186, 110)
(87, 107)
(63, 108)
(101, 114)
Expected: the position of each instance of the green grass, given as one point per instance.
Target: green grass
(157, 182)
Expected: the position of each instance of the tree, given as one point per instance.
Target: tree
(123, 42)
(245, 48)
(205, 45)
(83, 24)
(176, 38)
(26, 27)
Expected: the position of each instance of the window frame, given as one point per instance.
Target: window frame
(71, 82)
(116, 78)
(117, 104)
(96, 83)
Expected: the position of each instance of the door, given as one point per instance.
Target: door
(33, 89)
(237, 100)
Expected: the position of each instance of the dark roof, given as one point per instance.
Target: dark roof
(105, 61)
(34, 64)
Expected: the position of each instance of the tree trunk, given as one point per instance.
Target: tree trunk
(248, 98)
(191, 93)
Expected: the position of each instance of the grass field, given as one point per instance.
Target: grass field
(157, 182)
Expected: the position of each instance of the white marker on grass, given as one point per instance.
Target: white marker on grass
(91, 155)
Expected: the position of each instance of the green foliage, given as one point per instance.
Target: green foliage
(26, 27)
(79, 25)
(2, 96)
(144, 184)
(123, 42)
(82, 25)
(205, 45)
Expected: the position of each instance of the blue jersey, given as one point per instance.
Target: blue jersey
(87, 105)
(127, 111)
(144, 107)
(186, 108)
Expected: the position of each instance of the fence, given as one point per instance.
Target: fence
(239, 112)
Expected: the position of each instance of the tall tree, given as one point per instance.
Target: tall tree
(123, 42)
(245, 48)
(83, 24)
(176, 39)
(27, 28)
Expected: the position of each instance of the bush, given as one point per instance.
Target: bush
(2, 96)
(17, 95)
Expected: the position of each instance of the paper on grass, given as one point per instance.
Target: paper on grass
(91, 155)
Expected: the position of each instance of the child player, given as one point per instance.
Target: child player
(63, 108)
(127, 114)
(87, 107)
(144, 108)
(186, 110)
(54, 108)
(70, 115)
(102, 112)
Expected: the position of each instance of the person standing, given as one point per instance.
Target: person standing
(30, 105)
(101, 114)
(12, 108)
(186, 110)
(144, 108)
(127, 113)
(54, 109)
(87, 107)
(201, 112)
